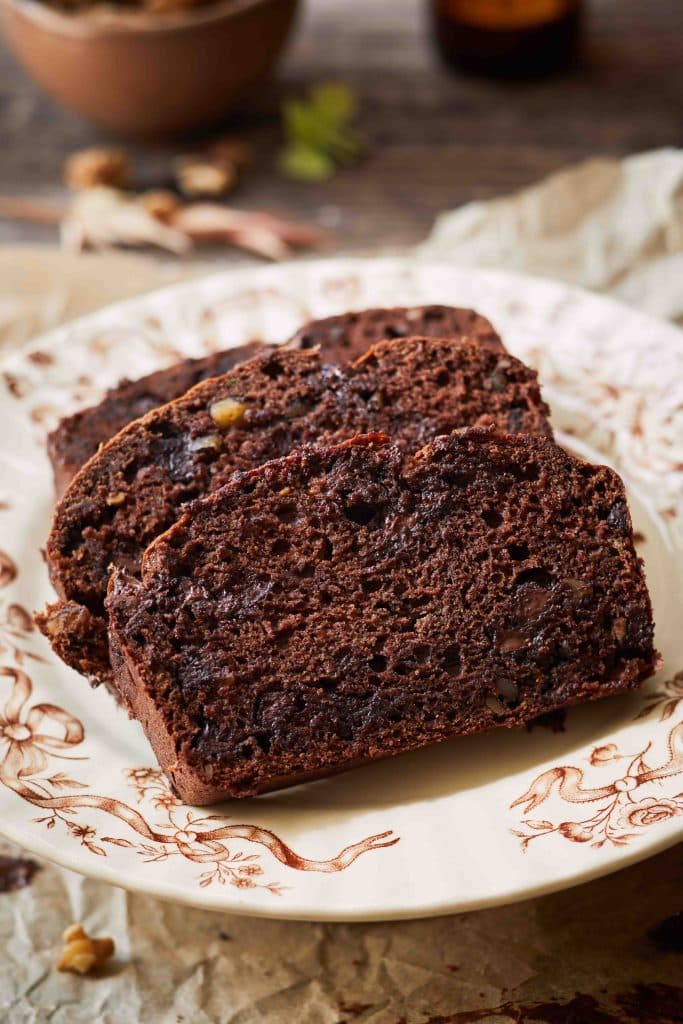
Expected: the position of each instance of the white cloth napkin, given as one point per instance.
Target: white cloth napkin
(609, 225)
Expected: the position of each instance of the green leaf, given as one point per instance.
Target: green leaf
(343, 146)
(334, 101)
(317, 134)
(303, 124)
(305, 163)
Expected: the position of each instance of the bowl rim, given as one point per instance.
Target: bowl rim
(132, 22)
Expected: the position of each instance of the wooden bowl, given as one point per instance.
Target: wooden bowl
(142, 74)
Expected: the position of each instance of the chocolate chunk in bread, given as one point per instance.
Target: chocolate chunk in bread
(135, 487)
(76, 438)
(345, 337)
(341, 339)
(349, 603)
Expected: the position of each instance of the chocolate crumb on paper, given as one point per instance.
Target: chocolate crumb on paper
(667, 935)
(642, 1004)
(16, 873)
(355, 1009)
(652, 1004)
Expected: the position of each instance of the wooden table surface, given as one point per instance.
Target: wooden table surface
(437, 139)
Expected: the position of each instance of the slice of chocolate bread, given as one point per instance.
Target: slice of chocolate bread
(348, 603)
(341, 339)
(135, 487)
(76, 438)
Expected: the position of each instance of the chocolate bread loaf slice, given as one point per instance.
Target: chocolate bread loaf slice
(345, 604)
(76, 438)
(341, 339)
(135, 487)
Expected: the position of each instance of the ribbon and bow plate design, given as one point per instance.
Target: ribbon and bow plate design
(470, 823)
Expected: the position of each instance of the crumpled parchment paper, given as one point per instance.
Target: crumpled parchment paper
(180, 966)
(612, 226)
(609, 225)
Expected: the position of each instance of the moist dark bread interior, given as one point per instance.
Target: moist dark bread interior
(341, 339)
(135, 487)
(76, 438)
(345, 604)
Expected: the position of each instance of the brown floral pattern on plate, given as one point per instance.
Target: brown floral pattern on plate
(16, 872)
(622, 808)
(32, 737)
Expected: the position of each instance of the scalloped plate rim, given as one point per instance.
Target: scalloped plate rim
(72, 858)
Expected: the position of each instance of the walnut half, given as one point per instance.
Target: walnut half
(197, 176)
(90, 167)
(81, 953)
(226, 412)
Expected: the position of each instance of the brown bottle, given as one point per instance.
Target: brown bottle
(507, 38)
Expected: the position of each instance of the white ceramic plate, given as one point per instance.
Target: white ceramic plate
(474, 822)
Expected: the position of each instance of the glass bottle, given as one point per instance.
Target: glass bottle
(507, 38)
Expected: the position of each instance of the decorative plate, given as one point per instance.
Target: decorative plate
(471, 823)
